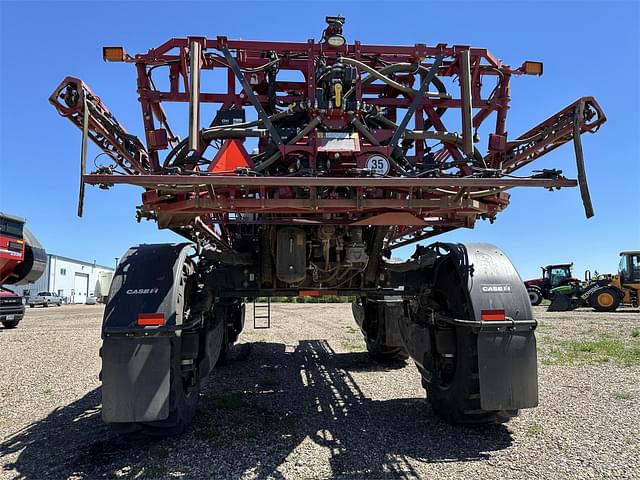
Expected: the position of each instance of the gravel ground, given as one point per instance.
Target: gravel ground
(302, 400)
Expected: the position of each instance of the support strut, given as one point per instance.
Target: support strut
(83, 152)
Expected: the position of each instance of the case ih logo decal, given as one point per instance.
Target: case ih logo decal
(495, 288)
(142, 291)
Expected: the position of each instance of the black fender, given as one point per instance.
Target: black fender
(507, 356)
(144, 283)
(494, 283)
(137, 362)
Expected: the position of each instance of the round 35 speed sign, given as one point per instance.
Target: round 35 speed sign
(378, 164)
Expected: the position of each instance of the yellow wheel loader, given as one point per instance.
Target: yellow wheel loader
(627, 281)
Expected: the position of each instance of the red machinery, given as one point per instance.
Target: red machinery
(22, 261)
(322, 157)
(342, 129)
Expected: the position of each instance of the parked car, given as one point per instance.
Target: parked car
(44, 299)
(11, 308)
(91, 299)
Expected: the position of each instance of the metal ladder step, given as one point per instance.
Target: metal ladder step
(259, 314)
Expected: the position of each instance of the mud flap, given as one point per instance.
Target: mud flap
(135, 379)
(508, 371)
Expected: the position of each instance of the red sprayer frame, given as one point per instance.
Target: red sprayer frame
(359, 138)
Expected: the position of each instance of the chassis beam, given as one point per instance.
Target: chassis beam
(175, 181)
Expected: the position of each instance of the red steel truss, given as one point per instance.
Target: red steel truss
(363, 134)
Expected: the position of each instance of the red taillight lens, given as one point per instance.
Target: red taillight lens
(492, 315)
(150, 319)
(316, 293)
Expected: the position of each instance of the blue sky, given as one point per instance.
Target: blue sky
(588, 48)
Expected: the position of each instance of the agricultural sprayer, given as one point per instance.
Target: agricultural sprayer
(302, 167)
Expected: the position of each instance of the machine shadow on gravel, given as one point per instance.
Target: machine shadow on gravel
(253, 414)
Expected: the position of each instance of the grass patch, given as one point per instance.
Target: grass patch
(544, 327)
(351, 345)
(535, 429)
(591, 352)
(623, 395)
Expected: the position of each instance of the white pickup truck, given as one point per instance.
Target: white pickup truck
(44, 299)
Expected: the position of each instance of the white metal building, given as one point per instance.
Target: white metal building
(71, 279)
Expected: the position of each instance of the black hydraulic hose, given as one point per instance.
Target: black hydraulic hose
(400, 67)
(269, 161)
(310, 126)
(445, 138)
(582, 174)
(364, 131)
(210, 134)
(375, 73)
(261, 68)
(374, 141)
(415, 103)
(405, 67)
(382, 119)
(251, 96)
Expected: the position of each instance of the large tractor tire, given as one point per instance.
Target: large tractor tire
(605, 299)
(384, 354)
(456, 398)
(452, 382)
(232, 310)
(535, 295)
(370, 317)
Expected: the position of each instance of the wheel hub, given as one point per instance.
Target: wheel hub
(605, 299)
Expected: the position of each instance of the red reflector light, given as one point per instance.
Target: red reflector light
(316, 293)
(492, 315)
(150, 319)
